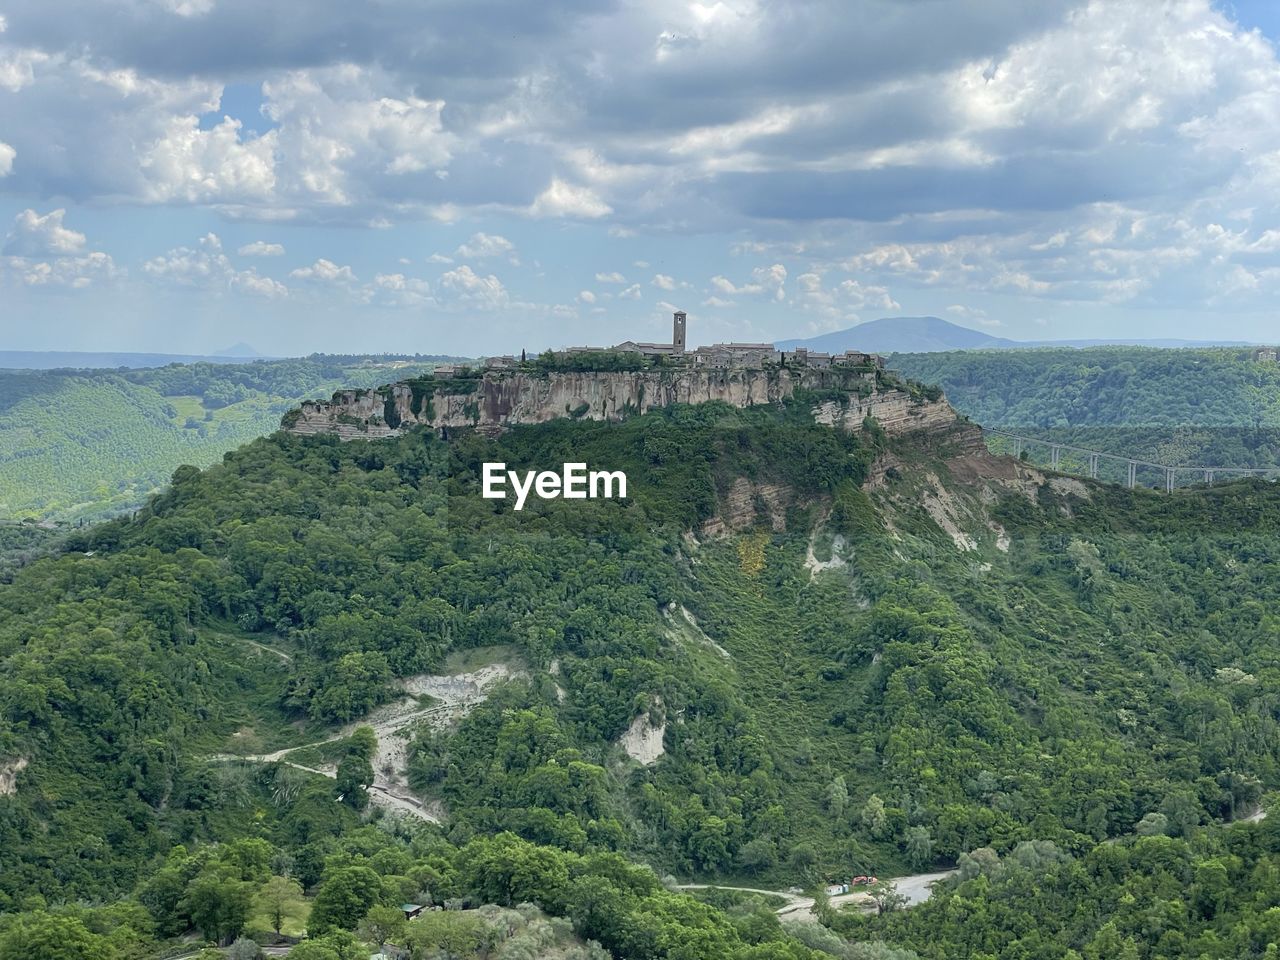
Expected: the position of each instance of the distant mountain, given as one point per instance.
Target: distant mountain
(75, 360)
(240, 349)
(933, 335)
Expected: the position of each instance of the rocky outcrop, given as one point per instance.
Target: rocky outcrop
(501, 399)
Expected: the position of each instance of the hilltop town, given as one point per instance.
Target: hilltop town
(714, 356)
(629, 378)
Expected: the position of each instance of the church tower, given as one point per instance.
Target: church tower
(677, 334)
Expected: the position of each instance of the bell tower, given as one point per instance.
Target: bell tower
(677, 333)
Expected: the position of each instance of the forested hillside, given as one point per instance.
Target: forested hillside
(87, 444)
(1180, 407)
(857, 658)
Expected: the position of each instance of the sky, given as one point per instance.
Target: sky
(482, 176)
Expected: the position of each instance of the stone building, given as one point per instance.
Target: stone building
(742, 355)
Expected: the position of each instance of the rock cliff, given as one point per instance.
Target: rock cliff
(501, 399)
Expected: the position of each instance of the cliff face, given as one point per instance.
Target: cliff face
(503, 399)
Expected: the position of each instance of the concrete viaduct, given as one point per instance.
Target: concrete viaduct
(1092, 457)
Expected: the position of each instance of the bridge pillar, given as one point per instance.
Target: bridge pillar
(1133, 475)
(1055, 453)
(1168, 479)
(1093, 466)
(1208, 476)
(1017, 448)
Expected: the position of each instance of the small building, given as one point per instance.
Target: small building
(1264, 355)
(445, 370)
(500, 363)
(411, 910)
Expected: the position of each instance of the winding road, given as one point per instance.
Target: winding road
(916, 888)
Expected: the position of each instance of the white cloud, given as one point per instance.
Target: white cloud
(586, 296)
(40, 251)
(207, 267)
(614, 277)
(764, 281)
(663, 282)
(186, 8)
(189, 164)
(466, 288)
(439, 258)
(972, 314)
(484, 245)
(563, 199)
(76, 272)
(35, 236)
(396, 289)
(7, 155)
(260, 248)
(718, 302)
(325, 272)
(18, 68)
(631, 293)
(339, 136)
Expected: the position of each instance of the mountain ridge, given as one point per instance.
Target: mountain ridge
(930, 334)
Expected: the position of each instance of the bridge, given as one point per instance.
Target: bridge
(1092, 458)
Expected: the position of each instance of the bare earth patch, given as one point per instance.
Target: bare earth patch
(9, 776)
(643, 741)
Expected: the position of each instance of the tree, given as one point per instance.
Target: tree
(354, 776)
(278, 898)
(218, 904)
(873, 816)
(44, 936)
(455, 935)
(919, 846)
(1152, 825)
(886, 897)
(836, 796)
(344, 897)
(381, 924)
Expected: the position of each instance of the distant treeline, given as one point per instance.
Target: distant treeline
(1180, 407)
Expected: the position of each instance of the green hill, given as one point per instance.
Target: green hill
(86, 444)
(1213, 407)
(861, 655)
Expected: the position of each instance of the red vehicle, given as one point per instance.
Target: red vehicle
(862, 881)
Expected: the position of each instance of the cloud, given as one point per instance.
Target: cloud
(35, 236)
(75, 272)
(260, 248)
(632, 292)
(206, 267)
(614, 277)
(464, 287)
(395, 289)
(39, 251)
(768, 281)
(325, 272)
(484, 245)
(973, 315)
(1071, 149)
(562, 199)
(186, 8)
(586, 296)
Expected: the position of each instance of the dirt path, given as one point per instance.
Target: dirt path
(394, 725)
(917, 888)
